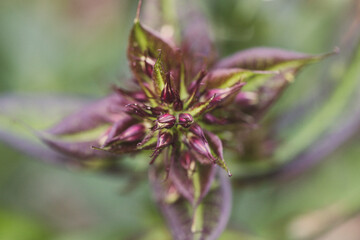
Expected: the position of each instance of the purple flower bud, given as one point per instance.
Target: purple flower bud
(166, 121)
(168, 94)
(185, 120)
(197, 131)
(136, 109)
(201, 147)
(134, 133)
(156, 111)
(164, 140)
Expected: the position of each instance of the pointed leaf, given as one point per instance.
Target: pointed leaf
(79, 150)
(263, 58)
(223, 78)
(159, 76)
(287, 62)
(268, 89)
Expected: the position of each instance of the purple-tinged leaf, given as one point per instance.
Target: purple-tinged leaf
(207, 220)
(91, 116)
(48, 155)
(216, 209)
(268, 89)
(183, 179)
(80, 150)
(264, 58)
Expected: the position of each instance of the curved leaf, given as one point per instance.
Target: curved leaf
(91, 116)
(264, 58)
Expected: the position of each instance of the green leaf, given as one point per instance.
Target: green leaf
(144, 43)
(224, 78)
(159, 76)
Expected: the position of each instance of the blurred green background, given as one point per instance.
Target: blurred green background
(78, 48)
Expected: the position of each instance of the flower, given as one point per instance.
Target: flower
(186, 110)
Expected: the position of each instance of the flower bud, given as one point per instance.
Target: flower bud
(201, 147)
(168, 94)
(197, 131)
(132, 134)
(166, 121)
(136, 109)
(185, 120)
(164, 140)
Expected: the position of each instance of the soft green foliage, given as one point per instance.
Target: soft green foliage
(78, 47)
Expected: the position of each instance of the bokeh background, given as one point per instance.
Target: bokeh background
(76, 49)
